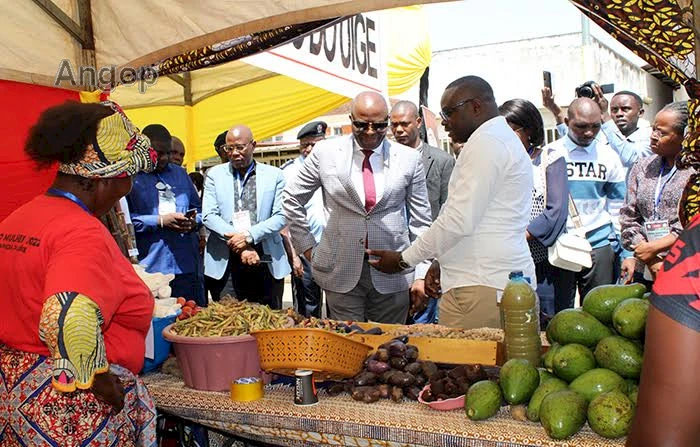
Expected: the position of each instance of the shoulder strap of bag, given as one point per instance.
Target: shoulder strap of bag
(543, 167)
(573, 212)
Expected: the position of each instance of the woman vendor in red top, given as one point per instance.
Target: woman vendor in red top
(75, 314)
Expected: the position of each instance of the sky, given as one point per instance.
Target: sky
(478, 22)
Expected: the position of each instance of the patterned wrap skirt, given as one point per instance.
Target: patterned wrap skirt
(33, 413)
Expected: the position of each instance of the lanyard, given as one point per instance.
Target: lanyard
(67, 195)
(241, 185)
(660, 187)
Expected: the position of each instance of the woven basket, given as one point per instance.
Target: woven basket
(331, 356)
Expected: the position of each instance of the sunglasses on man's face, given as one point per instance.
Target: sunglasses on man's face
(365, 125)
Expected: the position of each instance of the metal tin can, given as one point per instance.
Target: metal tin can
(304, 388)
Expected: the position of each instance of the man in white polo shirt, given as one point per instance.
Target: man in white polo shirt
(479, 237)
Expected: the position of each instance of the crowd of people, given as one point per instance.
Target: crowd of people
(442, 242)
(389, 230)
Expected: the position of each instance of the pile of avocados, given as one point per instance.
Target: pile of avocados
(590, 373)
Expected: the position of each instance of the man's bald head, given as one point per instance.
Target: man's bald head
(240, 131)
(240, 146)
(584, 119)
(370, 118)
(177, 154)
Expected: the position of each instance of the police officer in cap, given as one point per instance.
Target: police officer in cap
(305, 292)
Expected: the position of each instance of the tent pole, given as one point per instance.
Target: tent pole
(62, 19)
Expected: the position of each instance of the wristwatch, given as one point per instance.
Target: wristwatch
(403, 265)
(248, 238)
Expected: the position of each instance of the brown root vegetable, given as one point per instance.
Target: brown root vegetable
(451, 388)
(475, 373)
(420, 380)
(402, 379)
(359, 392)
(429, 369)
(414, 368)
(365, 378)
(384, 390)
(382, 355)
(371, 395)
(462, 385)
(412, 392)
(377, 367)
(457, 372)
(335, 389)
(398, 363)
(437, 386)
(428, 396)
(386, 376)
(397, 394)
(411, 353)
(519, 412)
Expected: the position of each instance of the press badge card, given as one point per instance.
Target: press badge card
(656, 229)
(166, 202)
(241, 220)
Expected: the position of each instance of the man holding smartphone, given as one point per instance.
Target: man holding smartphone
(166, 213)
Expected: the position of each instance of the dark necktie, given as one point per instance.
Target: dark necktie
(368, 181)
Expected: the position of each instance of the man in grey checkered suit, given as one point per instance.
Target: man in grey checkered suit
(375, 195)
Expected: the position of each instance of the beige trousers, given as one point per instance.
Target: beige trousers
(470, 307)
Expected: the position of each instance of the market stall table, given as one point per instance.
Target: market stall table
(341, 421)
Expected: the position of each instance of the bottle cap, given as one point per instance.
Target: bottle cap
(516, 274)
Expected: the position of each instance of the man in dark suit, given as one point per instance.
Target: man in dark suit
(405, 125)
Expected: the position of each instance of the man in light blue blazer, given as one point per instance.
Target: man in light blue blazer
(242, 207)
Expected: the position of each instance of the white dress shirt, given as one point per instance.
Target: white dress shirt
(376, 160)
(479, 237)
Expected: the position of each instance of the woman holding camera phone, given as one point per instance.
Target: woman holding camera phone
(75, 313)
(649, 218)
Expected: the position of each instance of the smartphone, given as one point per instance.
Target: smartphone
(191, 213)
(547, 78)
(607, 88)
(265, 259)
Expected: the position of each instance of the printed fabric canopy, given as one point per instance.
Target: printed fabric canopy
(662, 33)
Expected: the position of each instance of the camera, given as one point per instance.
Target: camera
(585, 90)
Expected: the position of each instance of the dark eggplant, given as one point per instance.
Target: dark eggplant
(377, 367)
(374, 331)
(411, 353)
(398, 363)
(402, 338)
(382, 355)
(396, 348)
(365, 378)
(414, 368)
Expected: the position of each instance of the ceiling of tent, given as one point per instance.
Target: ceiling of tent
(141, 32)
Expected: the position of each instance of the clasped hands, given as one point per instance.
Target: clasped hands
(237, 243)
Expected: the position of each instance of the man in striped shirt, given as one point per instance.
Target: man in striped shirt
(596, 178)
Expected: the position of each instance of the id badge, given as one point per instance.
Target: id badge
(166, 203)
(656, 229)
(241, 220)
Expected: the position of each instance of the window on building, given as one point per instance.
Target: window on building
(550, 135)
(337, 131)
(278, 138)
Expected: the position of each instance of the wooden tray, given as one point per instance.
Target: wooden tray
(441, 350)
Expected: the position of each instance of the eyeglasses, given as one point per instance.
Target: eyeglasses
(447, 111)
(234, 147)
(365, 125)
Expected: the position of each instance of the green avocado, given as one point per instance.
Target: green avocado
(597, 381)
(542, 391)
(577, 326)
(621, 355)
(601, 301)
(545, 375)
(548, 356)
(518, 379)
(563, 413)
(572, 360)
(483, 400)
(630, 317)
(610, 414)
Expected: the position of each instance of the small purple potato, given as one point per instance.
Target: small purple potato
(377, 367)
(413, 368)
(398, 363)
(382, 355)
